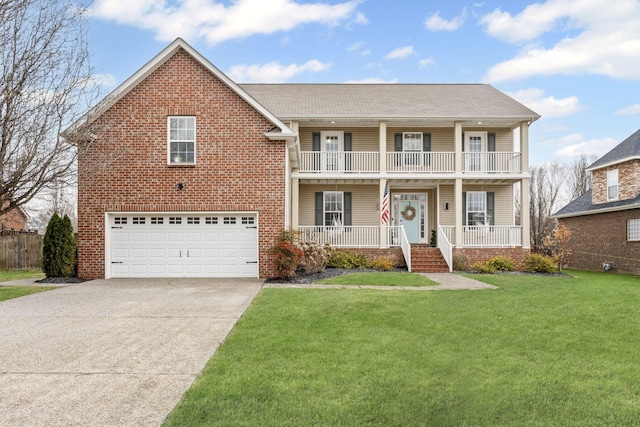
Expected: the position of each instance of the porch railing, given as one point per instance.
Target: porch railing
(339, 162)
(445, 247)
(485, 236)
(491, 162)
(343, 236)
(423, 162)
(397, 237)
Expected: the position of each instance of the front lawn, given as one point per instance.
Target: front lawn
(537, 351)
(379, 279)
(8, 275)
(9, 292)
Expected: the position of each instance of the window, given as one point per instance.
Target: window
(333, 208)
(211, 220)
(412, 142)
(229, 220)
(612, 184)
(248, 220)
(138, 220)
(120, 220)
(182, 140)
(633, 229)
(156, 220)
(173, 220)
(193, 220)
(477, 208)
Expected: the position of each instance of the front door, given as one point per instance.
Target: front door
(409, 211)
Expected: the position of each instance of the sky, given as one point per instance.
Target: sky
(574, 62)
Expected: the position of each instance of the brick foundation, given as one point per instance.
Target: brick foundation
(475, 255)
(395, 254)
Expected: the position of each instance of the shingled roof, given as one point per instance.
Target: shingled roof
(388, 101)
(626, 150)
(583, 206)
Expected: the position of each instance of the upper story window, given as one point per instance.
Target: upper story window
(612, 184)
(412, 141)
(633, 229)
(182, 140)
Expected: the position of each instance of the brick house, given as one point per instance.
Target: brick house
(183, 172)
(605, 221)
(15, 219)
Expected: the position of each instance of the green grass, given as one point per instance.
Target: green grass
(379, 279)
(538, 351)
(6, 276)
(9, 292)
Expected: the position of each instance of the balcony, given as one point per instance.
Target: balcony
(426, 162)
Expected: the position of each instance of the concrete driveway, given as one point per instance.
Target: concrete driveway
(118, 352)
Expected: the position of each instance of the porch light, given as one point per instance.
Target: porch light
(180, 186)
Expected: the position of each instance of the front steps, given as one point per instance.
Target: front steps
(426, 259)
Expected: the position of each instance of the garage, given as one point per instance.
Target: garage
(182, 245)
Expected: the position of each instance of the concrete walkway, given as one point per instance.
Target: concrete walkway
(446, 282)
(111, 352)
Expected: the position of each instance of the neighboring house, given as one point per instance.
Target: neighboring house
(15, 219)
(605, 221)
(183, 172)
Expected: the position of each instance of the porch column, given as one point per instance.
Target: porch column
(524, 147)
(525, 221)
(383, 147)
(458, 147)
(457, 190)
(295, 198)
(383, 227)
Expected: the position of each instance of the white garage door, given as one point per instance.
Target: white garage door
(183, 245)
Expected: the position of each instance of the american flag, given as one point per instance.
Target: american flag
(384, 211)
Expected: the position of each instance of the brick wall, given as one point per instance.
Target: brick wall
(475, 255)
(628, 182)
(600, 238)
(13, 220)
(125, 169)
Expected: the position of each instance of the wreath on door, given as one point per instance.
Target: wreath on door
(409, 213)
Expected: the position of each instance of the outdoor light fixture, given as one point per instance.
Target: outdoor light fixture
(180, 186)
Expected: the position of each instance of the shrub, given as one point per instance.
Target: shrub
(502, 263)
(59, 248)
(315, 258)
(287, 255)
(536, 263)
(347, 259)
(382, 264)
(434, 240)
(484, 267)
(460, 262)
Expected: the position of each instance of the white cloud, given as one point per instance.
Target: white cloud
(424, 63)
(359, 47)
(606, 40)
(630, 110)
(216, 22)
(274, 72)
(106, 80)
(435, 23)
(401, 52)
(373, 80)
(578, 146)
(547, 106)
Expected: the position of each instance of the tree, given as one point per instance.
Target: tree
(556, 244)
(544, 190)
(578, 179)
(45, 80)
(59, 248)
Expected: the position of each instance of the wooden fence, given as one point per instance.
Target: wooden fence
(20, 250)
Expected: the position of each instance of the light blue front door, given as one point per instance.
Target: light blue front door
(410, 219)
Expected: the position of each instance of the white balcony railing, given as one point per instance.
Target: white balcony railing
(339, 162)
(342, 236)
(409, 162)
(491, 162)
(423, 162)
(485, 236)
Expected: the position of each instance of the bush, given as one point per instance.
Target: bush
(59, 248)
(287, 255)
(382, 264)
(484, 267)
(536, 263)
(460, 262)
(502, 263)
(315, 258)
(347, 259)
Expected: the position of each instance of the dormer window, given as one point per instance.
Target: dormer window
(612, 185)
(181, 140)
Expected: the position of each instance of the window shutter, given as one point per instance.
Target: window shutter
(315, 146)
(319, 209)
(464, 208)
(491, 196)
(397, 142)
(347, 208)
(463, 142)
(316, 141)
(491, 142)
(347, 142)
(426, 142)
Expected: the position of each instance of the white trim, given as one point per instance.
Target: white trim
(396, 220)
(195, 138)
(597, 211)
(482, 135)
(636, 229)
(613, 163)
(610, 176)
